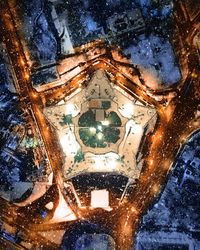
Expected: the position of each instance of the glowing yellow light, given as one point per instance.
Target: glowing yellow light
(134, 210)
(155, 189)
(99, 136)
(92, 130)
(34, 95)
(105, 123)
(22, 61)
(151, 162)
(26, 76)
(99, 127)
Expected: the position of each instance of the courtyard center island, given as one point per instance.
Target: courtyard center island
(101, 128)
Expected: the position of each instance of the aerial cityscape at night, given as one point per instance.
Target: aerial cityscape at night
(100, 124)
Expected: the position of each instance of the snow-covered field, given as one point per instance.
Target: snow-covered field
(155, 54)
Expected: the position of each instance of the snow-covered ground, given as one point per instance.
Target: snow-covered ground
(37, 32)
(94, 241)
(88, 22)
(153, 54)
(156, 56)
(162, 11)
(178, 206)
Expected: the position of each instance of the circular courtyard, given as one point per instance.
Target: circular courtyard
(98, 134)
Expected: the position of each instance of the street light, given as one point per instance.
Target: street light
(105, 123)
(99, 136)
(92, 130)
(99, 127)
